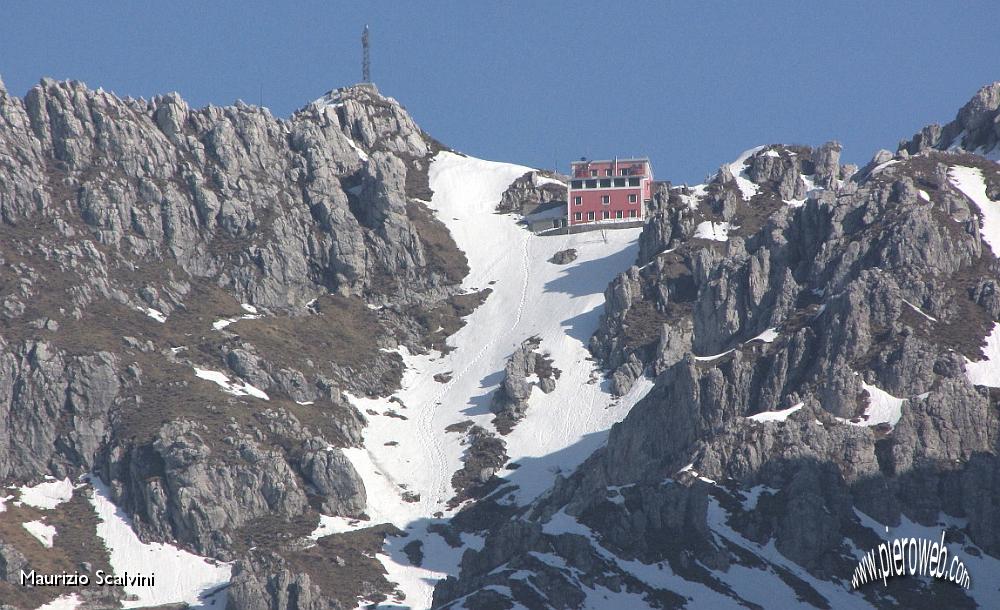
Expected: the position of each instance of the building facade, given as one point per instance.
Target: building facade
(611, 191)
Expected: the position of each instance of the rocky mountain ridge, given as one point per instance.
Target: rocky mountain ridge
(195, 302)
(132, 231)
(782, 308)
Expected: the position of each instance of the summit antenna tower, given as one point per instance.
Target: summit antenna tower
(366, 61)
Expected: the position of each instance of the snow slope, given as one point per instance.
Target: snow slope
(561, 304)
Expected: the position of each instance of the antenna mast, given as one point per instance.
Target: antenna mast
(366, 62)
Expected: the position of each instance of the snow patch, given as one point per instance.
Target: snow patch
(882, 166)
(714, 356)
(697, 193)
(691, 471)
(986, 372)
(43, 532)
(47, 495)
(768, 336)
(541, 180)
(716, 231)
(920, 311)
(883, 407)
(970, 181)
(252, 314)
(771, 416)
(241, 388)
(153, 313)
(361, 153)
(753, 496)
(738, 169)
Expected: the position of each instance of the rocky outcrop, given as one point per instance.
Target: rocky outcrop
(531, 192)
(484, 456)
(563, 257)
(526, 369)
(976, 127)
(12, 562)
(266, 582)
(201, 493)
(55, 409)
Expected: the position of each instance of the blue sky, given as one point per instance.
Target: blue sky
(542, 83)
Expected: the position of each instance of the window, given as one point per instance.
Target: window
(606, 199)
(578, 216)
(618, 214)
(579, 200)
(631, 214)
(619, 182)
(590, 215)
(624, 171)
(631, 198)
(607, 214)
(607, 172)
(577, 184)
(605, 184)
(592, 184)
(593, 172)
(633, 182)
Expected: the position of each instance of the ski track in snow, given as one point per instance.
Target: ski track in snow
(561, 304)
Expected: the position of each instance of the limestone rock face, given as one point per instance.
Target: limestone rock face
(12, 562)
(266, 582)
(55, 407)
(157, 180)
(176, 287)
